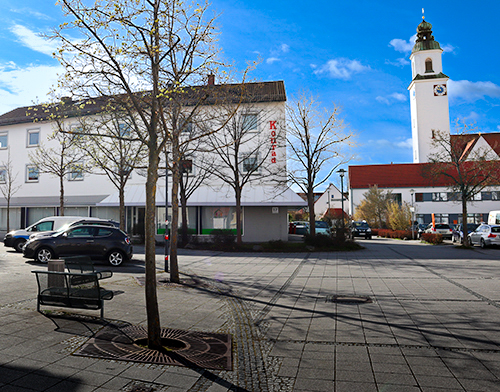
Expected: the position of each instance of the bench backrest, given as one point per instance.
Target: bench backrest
(68, 284)
(79, 264)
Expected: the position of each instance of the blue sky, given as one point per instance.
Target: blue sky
(354, 54)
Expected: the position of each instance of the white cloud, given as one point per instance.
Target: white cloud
(285, 48)
(473, 91)
(390, 99)
(341, 68)
(21, 86)
(272, 60)
(33, 41)
(28, 11)
(402, 144)
(400, 45)
(401, 62)
(448, 48)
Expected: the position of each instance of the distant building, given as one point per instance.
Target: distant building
(429, 114)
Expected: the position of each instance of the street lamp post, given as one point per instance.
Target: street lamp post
(342, 173)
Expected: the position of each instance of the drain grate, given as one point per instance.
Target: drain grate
(349, 299)
(200, 349)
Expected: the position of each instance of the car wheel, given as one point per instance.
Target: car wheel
(44, 255)
(483, 244)
(19, 245)
(116, 258)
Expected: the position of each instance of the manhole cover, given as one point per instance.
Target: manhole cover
(349, 299)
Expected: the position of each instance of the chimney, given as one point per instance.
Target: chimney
(211, 79)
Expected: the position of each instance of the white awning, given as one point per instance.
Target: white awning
(135, 195)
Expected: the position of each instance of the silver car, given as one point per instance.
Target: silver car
(440, 228)
(485, 235)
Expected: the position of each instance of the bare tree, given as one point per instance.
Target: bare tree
(64, 160)
(110, 144)
(7, 185)
(245, 151)
(144, 56)
(466, 167)
(317, 141)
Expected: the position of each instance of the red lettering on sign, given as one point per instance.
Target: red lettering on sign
(273, 133)
(272, 124)
(273, 154)
(273, 140)
(273, 160)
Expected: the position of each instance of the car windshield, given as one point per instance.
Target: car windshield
(442, 226)
(322, 224)
(360, 224)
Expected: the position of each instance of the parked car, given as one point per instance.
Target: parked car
(300, 227)
(440, 228)
(84, 221)
(17, 238)
(97, 242)
(360, 229)
(485, 235)
(458, 234)
(322, 227)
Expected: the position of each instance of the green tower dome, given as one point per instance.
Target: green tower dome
(425, 39)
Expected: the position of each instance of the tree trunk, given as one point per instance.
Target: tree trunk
(121, 193)
(174, 232)
(8, 214)
(184, 229)
(464, 222)
(239, 239)
(312, 217)
(153, 316)
(61, 196)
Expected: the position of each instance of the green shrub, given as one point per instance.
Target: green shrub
(432, 238)
(223, 237)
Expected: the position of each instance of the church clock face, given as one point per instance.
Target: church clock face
(439, 89)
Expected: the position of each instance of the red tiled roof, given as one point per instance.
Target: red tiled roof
(405, 175)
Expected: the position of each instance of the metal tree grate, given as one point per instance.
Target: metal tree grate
(349, 299)
(197, 349)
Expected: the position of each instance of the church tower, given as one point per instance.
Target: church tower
(428, 93)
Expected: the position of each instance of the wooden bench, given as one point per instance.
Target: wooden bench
(84, 265)
(71, 290)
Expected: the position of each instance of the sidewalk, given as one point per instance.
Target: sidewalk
(388, 318)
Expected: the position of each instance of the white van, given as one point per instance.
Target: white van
(494, 218)
(17, 238)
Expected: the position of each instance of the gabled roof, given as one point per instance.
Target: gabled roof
(467, 142)
(207, 95)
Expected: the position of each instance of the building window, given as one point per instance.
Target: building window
(440, 196)
(249, 164)
(428, 65)
(453, 196)
(4, 138)
(76, 173)
(249, 122)
(3, 175)
(187, 126)
(441, 218)
(32, 173)
(493, 195)
(33, 137)
(124, 130)
(186, 166)
(219, 218)
(419, 197)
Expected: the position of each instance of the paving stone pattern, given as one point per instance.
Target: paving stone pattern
(431, 325)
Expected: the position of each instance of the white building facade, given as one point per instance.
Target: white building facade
(212, 205)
